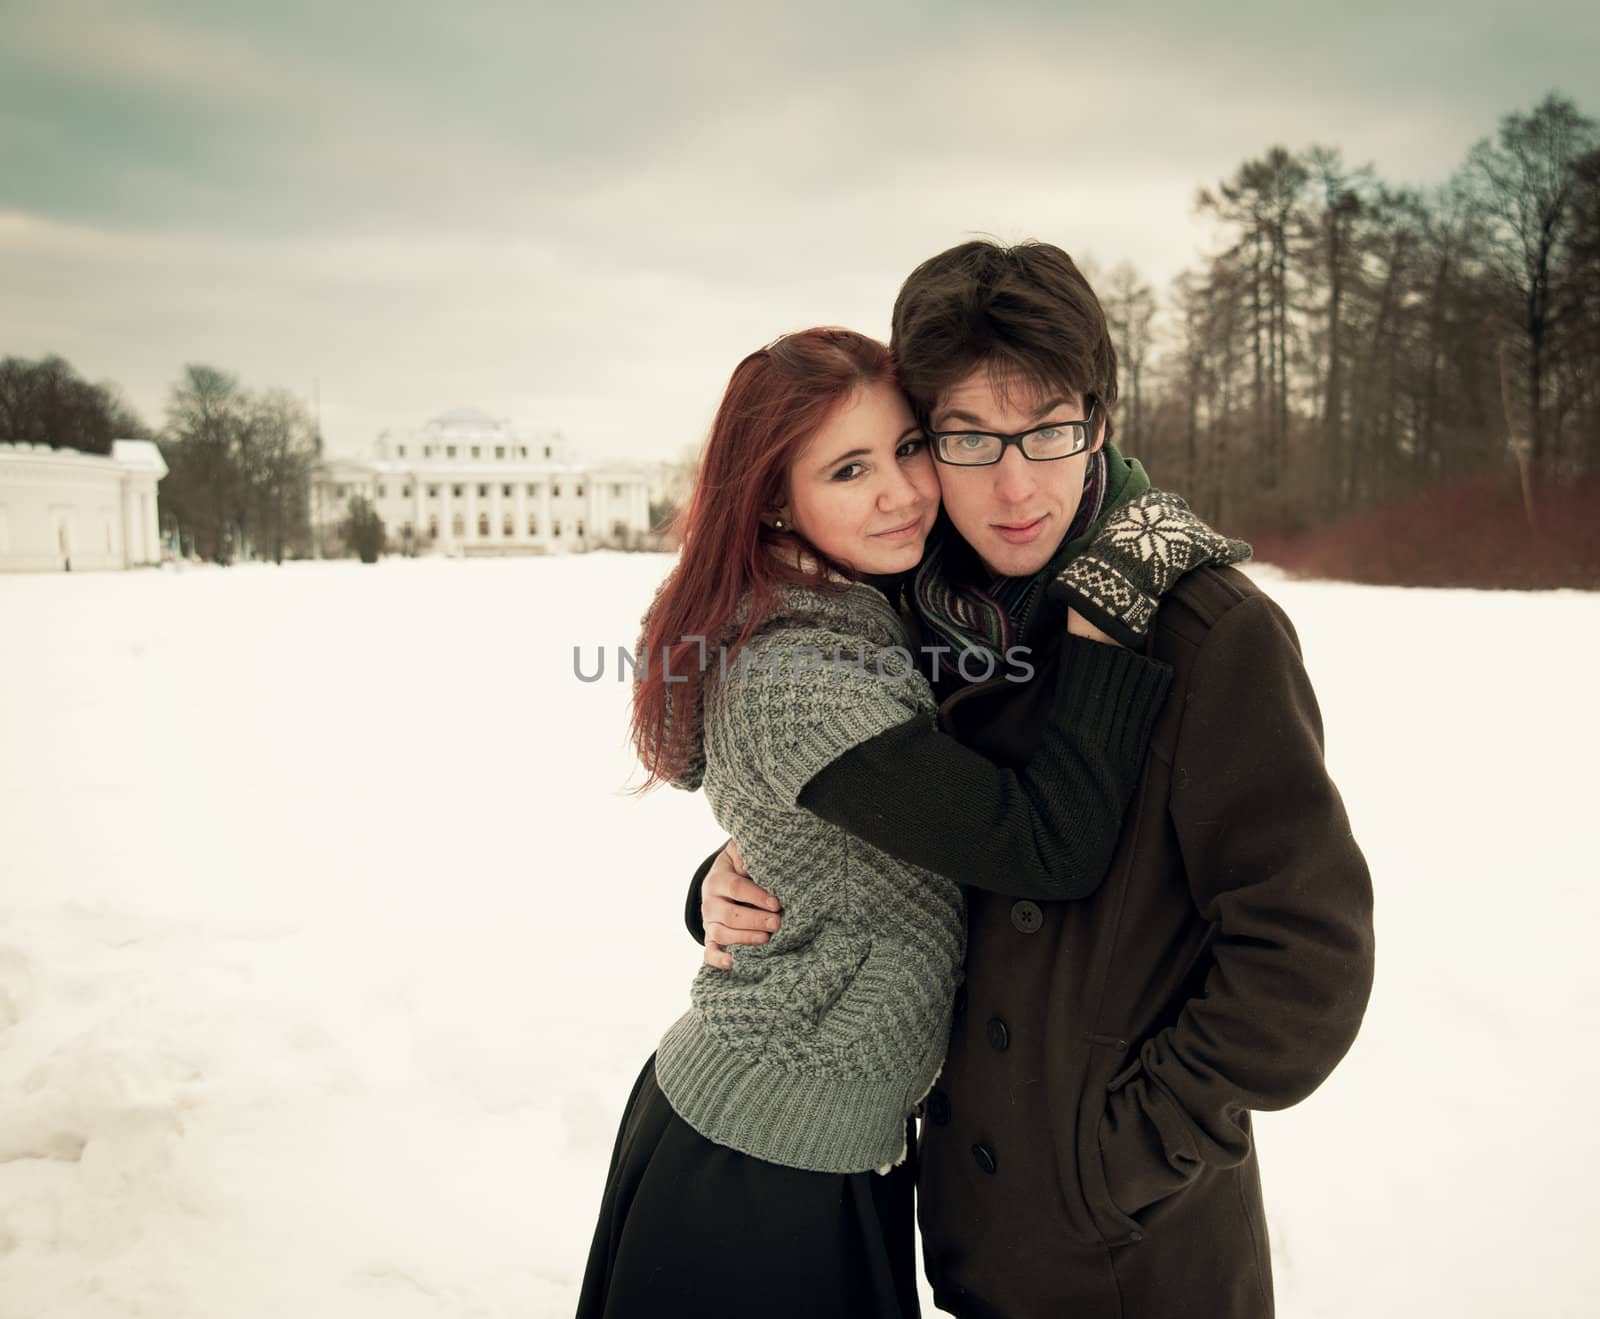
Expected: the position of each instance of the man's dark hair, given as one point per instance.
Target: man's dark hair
(1026, 308)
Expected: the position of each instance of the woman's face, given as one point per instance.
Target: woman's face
(863, 491)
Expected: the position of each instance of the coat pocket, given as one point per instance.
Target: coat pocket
(1108, 1222)
(1146, 1150)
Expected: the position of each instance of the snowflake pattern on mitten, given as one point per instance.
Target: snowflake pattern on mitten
(1141, 550)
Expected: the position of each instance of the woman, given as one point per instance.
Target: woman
(775, 1111)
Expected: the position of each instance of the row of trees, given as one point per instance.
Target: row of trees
(1352, 341)
(47, 402)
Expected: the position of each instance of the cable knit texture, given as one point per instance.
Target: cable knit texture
(813, 1050)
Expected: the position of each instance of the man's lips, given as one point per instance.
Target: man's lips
(1019, 533)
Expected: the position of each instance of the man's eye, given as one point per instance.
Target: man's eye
(848, 472)
(970, 441)
(1049, 433)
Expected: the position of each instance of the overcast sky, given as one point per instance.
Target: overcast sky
(581, 218)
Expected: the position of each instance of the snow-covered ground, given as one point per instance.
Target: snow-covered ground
(331, 944)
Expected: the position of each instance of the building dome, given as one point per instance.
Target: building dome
(466, 419)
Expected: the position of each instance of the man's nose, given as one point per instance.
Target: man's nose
(1013, 476)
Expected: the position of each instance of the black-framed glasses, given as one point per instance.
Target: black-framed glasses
(1042, 444)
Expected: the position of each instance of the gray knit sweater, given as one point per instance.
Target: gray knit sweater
(814, 1049)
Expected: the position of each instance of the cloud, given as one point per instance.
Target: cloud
(583, 218)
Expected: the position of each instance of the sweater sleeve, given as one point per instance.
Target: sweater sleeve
(1047, 830)
(1272, 863)
(799, 697)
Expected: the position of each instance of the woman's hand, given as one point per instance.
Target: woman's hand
(734, 908)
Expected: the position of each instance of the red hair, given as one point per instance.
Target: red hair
(776, 400)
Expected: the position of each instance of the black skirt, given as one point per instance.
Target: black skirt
(688, 1228)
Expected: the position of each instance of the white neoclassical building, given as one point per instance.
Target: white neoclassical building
(468, 483)
(65, 509)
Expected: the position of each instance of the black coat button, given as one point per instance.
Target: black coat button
(985, 1158)
(999, 1036)
(960, 1005)
(1026, 916)
(938, 1108)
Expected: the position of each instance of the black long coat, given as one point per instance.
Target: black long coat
(1088, 1148)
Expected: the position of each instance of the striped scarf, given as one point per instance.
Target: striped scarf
(973, 611)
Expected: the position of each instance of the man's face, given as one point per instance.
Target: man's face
(1014, 513)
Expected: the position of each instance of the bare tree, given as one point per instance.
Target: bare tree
(1130, 306)
(284, 452)
(204, 486)
(1527, 183)
(1341, 194)
(1583, 349)
(1263, 202)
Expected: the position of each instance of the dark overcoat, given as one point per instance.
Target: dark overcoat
(1087, 1150)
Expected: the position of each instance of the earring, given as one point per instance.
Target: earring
(777, 524)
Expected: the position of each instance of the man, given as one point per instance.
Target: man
(1087, 1150)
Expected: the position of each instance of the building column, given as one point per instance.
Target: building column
(128, 500)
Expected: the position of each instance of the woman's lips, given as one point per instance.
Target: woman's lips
(1020, 533)
(899, 533)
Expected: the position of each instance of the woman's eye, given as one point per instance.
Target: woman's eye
(848, 472)
(911, 447)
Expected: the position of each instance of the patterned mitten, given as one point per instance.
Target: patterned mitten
(1143, 548)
